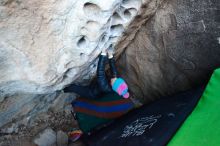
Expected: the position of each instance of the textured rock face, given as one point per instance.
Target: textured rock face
(45, 45)
(176, 49)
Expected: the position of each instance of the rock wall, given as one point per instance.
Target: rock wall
(178, 48)
(46, 45)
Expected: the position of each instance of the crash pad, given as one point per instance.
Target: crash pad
(202, 127)
(153, 124)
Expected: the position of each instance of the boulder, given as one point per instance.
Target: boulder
(46, 138)
(178, 48)
(46, 45)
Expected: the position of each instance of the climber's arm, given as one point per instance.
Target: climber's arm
(113, 68)
(90, 92)
(111, 58)
(101, 76)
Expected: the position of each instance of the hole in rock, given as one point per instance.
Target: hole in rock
(125, 1)
(113, 40)
(82, 42)
(91, 9)
(70, 73)
(82, 55)
(131, 3)
(133, 11)
(92, 25)
(116, 18)
(117, 29)
(127, 14)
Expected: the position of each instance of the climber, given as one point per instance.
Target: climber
(102, 86)
(100, 101)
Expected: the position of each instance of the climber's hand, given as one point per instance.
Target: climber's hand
(110, 52)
